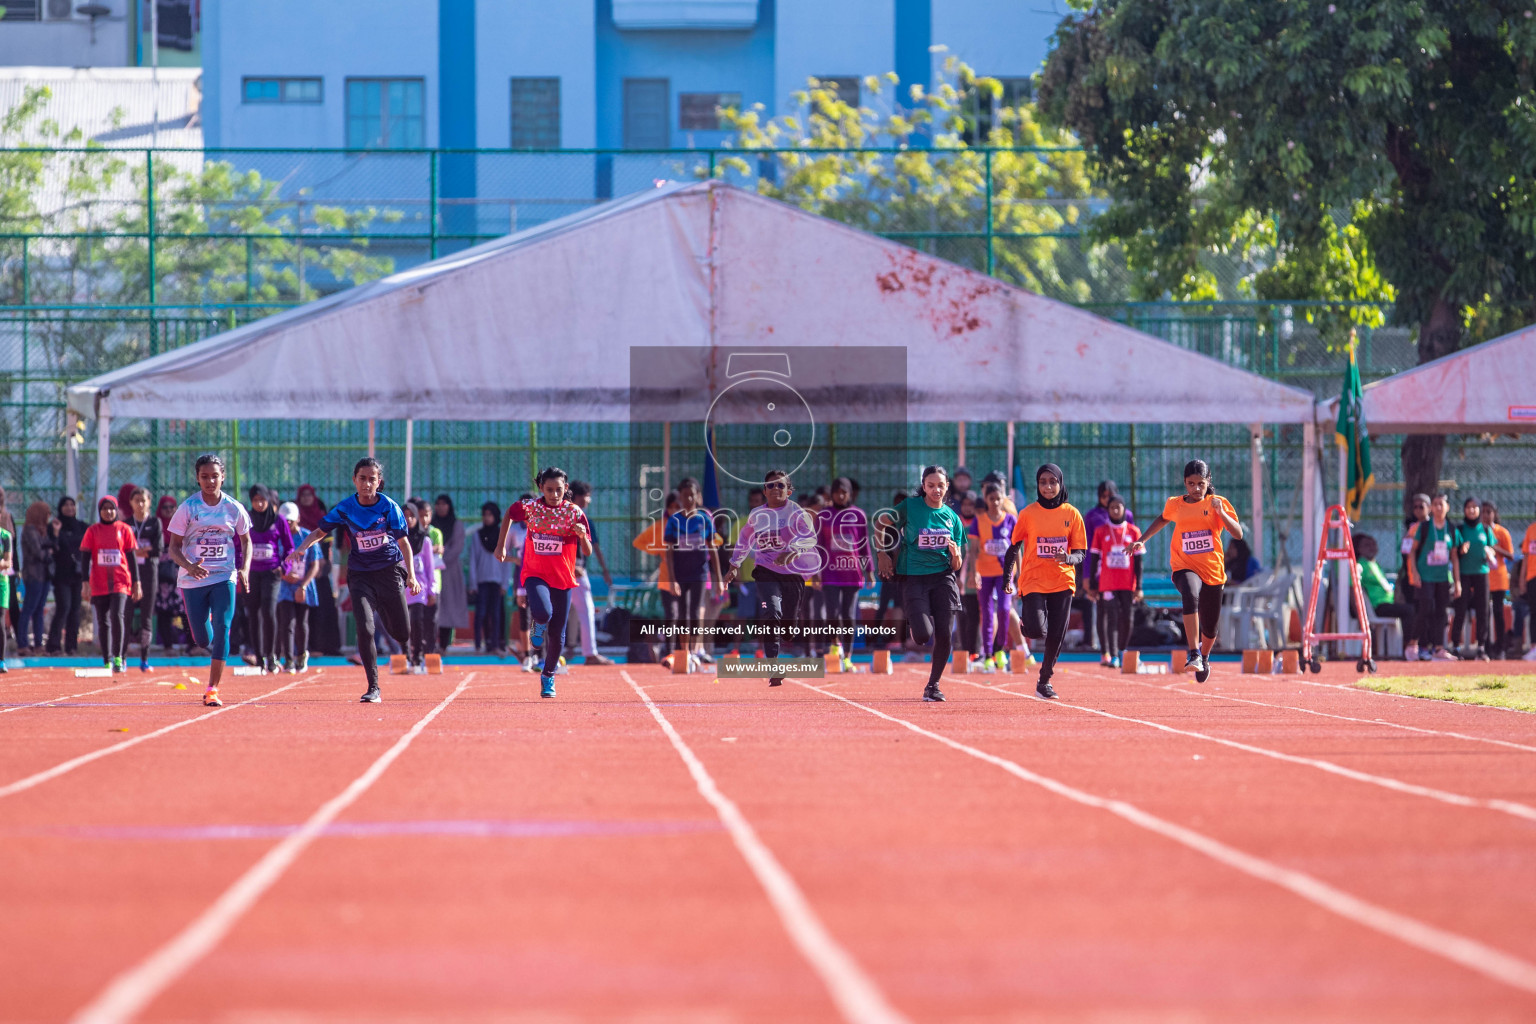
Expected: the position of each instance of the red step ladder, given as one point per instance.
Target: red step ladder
(1342, 551)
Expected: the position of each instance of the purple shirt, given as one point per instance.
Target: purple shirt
(842, 538)
(270, 546)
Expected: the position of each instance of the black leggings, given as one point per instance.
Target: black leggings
(292, 629)
(421, 633)
(669, 603)
(1114, 614)
(1046, 616)
(970, 623)
(929, 602)
(1434, 601)
(111, 624)
(490, 616)
(261, 614)
(1199, 598)
(690, 610)
(149, 571)
(66, 616)
(1500, 634)
(778, 603)
(842, 604)
(378, 599)
(1473, 601)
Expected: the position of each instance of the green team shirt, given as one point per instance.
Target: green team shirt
(1374, 582)
(1480, 541)
(7, 550)
(924, 530)
(1434, 545)
(436, 537)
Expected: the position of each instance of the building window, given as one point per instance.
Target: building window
(645, 113)
(981, 112)
(281, 90)
(846, 87)
(700, 111)
(385, 113)
(21, 10)
(535, 113)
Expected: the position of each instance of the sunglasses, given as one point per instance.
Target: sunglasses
(778, 485)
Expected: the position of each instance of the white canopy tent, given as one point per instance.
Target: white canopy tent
(539, 325)
(1486, 389)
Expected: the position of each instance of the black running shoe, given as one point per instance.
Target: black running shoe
(1043, 688)
(776, 681)
(1192, 660)
(1204, 671)
(932, 693)
(373, 696)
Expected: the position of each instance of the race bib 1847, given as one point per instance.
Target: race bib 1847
(543, 544)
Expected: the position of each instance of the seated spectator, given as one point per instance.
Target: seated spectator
(1378, 592)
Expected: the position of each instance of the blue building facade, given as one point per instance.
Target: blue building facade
(571, 74)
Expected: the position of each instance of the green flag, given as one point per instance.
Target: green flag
(1353, 435)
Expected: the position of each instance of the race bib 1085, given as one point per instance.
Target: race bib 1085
(1199, 542)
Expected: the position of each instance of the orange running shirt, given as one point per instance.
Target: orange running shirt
(1528, 549)
(1045, 532)
(1196, 541)
(1498, 576)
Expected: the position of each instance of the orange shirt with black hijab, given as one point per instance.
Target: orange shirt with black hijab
(1044, 530)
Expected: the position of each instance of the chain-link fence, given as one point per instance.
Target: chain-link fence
(107, 257)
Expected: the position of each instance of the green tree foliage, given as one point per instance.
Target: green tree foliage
(1412, 118)
(935, 180)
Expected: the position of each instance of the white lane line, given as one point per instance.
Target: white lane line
(1179, 688)
(75, 762)
(1510, 807)
(71, 696)
(134, 989)
(854, 992)
(1459, 949)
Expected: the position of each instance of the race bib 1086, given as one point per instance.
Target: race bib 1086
(1050, 547)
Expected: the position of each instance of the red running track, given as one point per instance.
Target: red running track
(1148, 849)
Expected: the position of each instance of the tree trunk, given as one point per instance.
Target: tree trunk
(1440, 335)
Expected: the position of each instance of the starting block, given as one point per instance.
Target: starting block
(1018, 661)
(1290, 663)
(245, 670)
(434, 664)
(1250, 662)
(680, 663)
(960, 663)
(1179, 658)
(1130, 662)
(833, 662)
(105, 672)
(1266, 664)
(397, 665)
(881, 663)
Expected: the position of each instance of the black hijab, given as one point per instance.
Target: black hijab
(1061, 495)
(489, 535)
(262, 521)
(417, 534)
(445, 523)
(1472, 523)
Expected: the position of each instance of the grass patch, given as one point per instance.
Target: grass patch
(1517, 692)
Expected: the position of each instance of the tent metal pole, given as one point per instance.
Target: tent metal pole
(1256, 471)
(71, 456)
(1008, 469)
(103, 454)
(960, 446)
(666, 456)
(410, 430)
(371, 432)
(1343, 590)
(1309, 499)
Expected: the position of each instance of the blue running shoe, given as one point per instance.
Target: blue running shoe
(536, 635)
(548, 690)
